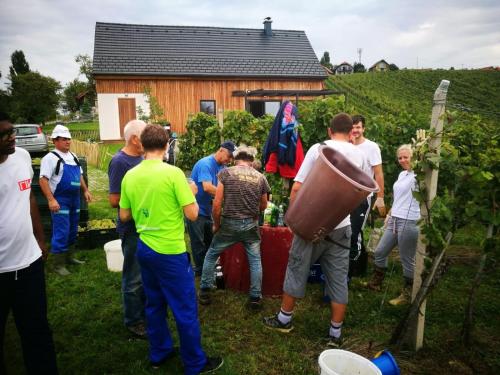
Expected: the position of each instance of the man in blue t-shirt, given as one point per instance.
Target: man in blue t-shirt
(204, 175)
(132, 290)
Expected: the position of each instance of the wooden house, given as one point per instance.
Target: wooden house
(189, 69)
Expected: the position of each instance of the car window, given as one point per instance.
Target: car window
(27, 130)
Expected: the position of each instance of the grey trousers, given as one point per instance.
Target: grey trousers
(404, 234)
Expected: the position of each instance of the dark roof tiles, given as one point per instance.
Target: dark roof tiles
(122, 49)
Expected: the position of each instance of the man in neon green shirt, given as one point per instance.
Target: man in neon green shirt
(157, 196)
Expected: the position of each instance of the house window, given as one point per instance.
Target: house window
(259, 108)
(207, 106)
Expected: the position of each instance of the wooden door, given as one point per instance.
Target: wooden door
(126, 111)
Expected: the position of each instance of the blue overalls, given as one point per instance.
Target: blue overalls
(67, 194)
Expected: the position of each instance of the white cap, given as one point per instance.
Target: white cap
(60, 131)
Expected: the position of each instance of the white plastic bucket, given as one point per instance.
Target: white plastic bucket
(342, 362)
(114, 255)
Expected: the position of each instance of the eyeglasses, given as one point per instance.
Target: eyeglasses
(6, 135)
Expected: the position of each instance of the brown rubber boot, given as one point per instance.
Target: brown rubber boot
(375, 282)
(405, 297)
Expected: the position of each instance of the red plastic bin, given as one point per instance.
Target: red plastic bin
(275, 246)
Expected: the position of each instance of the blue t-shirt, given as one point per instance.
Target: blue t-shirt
(120, 164)
(205, 169)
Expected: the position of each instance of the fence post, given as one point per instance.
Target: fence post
(416, 332)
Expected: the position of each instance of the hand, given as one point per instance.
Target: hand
(380, 205)
(386, 220)
(87, 196)
(54, 205)
(215, 228)
(43, 247)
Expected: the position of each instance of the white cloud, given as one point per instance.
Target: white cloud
(439, 33)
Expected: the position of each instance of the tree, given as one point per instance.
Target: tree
(359, 68)
(393, 67)
(325, 60)
(34, 97)
(71, 102)
(85, 63)
(19, 64)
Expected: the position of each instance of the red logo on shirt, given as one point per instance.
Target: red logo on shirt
(25, 184)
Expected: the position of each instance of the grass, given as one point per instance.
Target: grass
(86, 316)
(91, 125)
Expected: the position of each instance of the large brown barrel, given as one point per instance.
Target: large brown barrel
(334, 188)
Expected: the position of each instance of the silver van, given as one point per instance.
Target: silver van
(31, 138)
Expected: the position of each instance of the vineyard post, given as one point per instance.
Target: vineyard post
(431, 179)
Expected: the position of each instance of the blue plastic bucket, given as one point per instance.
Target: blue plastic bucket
(386, 363)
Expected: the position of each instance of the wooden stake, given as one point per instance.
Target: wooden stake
(431, 178)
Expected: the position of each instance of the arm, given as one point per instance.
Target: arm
(125, 214)
(85, 190)
(263, 202)
(379, 177)
(37, 226)
(193, 187)
(295, 189)
(217, 206)
(44, 185)
(114, 200)
(209, 188)
(191, 211)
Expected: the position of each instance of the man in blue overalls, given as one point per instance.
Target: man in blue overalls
(61, 181)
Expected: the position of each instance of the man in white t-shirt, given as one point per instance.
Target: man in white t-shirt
(332, 252)
(61, 180)
(373, 167)
(22, 247)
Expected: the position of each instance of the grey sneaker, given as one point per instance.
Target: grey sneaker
(213, 364)
(138, 330)
(273, 322)
(204, 297)
(334, 342)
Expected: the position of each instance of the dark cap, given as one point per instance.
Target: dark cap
(228, 145)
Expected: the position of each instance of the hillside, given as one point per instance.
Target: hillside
(372, 94)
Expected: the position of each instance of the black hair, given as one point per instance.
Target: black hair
(359, 118)
(245, 156)
(5, 117)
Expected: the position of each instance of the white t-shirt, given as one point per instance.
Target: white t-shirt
(48, 167)
(405, 206)
(371, 150)
(345, 148)
(18, 246)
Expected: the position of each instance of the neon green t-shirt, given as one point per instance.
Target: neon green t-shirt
(155, 192)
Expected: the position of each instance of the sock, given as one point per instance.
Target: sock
(284, 316)
(335, 329)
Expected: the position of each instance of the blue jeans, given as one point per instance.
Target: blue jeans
(200, 235)
(132, 290)
(232, 231)
(404, 234)
(169, 282)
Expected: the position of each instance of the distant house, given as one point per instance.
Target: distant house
(343, 68)
(191, 69)
(380, 66)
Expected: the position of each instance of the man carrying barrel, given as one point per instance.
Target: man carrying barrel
(332, 252)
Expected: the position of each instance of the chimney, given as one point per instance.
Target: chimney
(267, 26)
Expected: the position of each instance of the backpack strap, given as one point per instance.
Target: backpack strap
(58, 165)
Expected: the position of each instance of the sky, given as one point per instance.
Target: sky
(412, 34)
